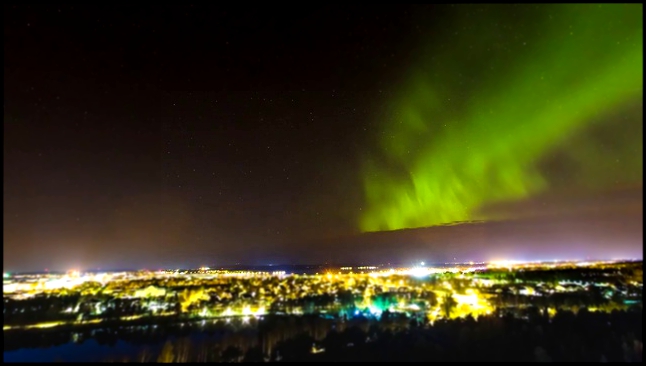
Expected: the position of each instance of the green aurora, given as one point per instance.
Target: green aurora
(509, 88)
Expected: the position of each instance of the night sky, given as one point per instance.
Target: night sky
(178, 136)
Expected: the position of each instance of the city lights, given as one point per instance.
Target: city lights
(455, 290)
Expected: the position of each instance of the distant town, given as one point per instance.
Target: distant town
(427, 292)
(89, 303)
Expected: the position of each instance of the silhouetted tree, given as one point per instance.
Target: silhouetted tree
(254, 354)
(448, 305)
(231, 354)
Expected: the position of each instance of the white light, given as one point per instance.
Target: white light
(423, 263)
(419, 272)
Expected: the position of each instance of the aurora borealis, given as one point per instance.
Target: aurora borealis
(509, 89)
(197, 134)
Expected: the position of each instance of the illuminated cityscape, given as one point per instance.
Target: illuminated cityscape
(426, 294)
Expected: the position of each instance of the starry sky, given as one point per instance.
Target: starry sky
(187, 135)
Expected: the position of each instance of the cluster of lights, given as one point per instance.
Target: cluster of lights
(361, 268)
